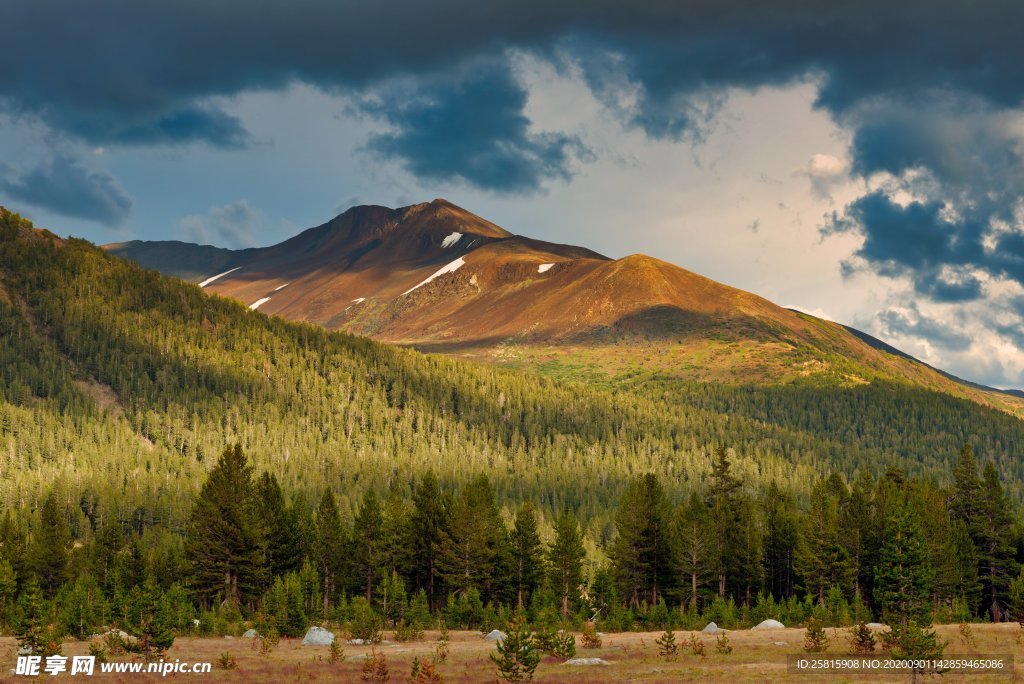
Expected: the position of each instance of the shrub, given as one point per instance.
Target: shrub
(697, 646)
(722, 644)
(815, 640)
(862, 640)
(375, 667)
(227, 661)
(517, 655)
(667, 646)
(590, 637)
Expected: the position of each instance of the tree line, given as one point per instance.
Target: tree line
(892, 548)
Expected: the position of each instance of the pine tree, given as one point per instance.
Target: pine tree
(640, 552)
(51, 541)
(815, 638)
(668, 648)
(283, 542)
(722, 501)
(476, 543)
(223, 541)
(694, 550)
(903, 579)
(780, 541)
(822, 559)
(565, 560)
(397, 532)
(517, 655)
(430, 525)
(367, 538)
(35, 628)
(148, 620)
(1016, 602)
(964, 503)
(995, 542)
(862, 640)
(329, 548)
(527, 560)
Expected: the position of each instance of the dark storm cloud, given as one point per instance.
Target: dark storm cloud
(63, 185)
(471, 128)
(144, 72)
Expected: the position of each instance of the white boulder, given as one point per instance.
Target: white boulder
(586, 661)
(318, 636)
(770, 624)
(496, 635)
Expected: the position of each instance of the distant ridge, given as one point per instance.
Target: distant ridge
(440, 278)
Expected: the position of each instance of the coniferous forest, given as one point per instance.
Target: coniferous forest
(173, 463)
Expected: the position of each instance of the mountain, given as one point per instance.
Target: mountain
(119, 385)
(439, 278)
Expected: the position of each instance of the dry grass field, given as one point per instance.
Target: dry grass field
(632, 657)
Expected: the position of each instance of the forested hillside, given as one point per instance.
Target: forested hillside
(434, 486)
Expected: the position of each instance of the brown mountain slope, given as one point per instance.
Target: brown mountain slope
(440, 278)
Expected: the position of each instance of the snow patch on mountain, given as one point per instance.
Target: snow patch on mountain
(258, 303)
(451, 239)
(219, 275)
(544, 268)
(450, 268)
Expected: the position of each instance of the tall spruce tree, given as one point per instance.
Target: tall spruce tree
(903, 578)
(994, 530)
(640, 552)
(282, 534)
(821, 557)
(397, 531)
(527, 558)
(329, 547)
(694, 548)
(51, 543)
(224, 539)
(565, 560)
(430, 520)
(368, 543)
(476, 543)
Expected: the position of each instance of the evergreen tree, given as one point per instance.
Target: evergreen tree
(517, 655)
(694, 550)
(430, 525)
(964, 502)
(329, 548)
(51, 541)
(722, 500)
(367, 539)
(903, 578)
(565, 560)
(35, 628)
(640, 552)
(527, 561)
(283, 538)
(149, 620)
(397, 532)
(780, 541)
(821, 557)
(12, 545)
(477, 543)
(994, 528)
(223, 541)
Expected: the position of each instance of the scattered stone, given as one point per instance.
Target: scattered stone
(770, 624)
(25, 650)
(586, 661)
(318, 636)
(357, 642)
(251, 634)
(875, 625)
(496, 635)
(781, 643)
(228, 636)
(711, 628)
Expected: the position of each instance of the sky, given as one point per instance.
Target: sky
(861, 161)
